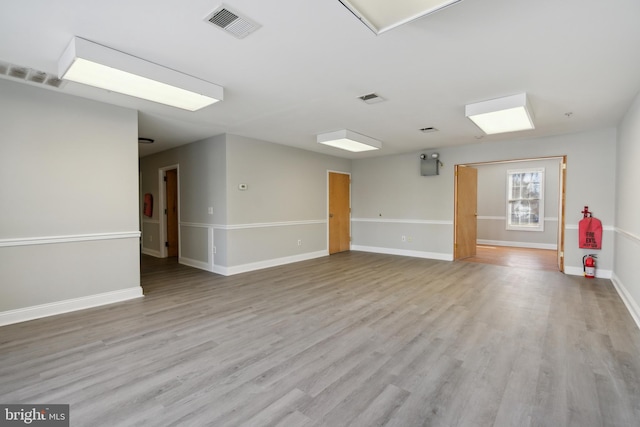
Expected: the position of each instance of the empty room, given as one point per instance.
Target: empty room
(337, 213)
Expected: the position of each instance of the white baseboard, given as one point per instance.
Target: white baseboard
(627, 299)
(151, 252)
(404, 252)
(579, 271)
(195, 263)
(219, 269)
(237, 269)
(66, 306)
(528, 245)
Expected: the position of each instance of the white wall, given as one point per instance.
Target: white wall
(202, 184)
(492, 205)
(285, 202)
(627, 239)
(391, 199)
(69, 229)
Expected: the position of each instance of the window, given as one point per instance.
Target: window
(525, 199)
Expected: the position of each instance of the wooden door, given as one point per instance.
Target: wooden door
(466, 211)
(339, 212)
(171, 183)
(561, 206)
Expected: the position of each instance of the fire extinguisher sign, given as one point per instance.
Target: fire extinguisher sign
(590, 232)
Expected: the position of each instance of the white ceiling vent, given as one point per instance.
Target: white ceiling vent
(371, 98)
(232, 22)
(29, 75)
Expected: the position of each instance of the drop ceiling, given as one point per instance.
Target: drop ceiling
(303, 70)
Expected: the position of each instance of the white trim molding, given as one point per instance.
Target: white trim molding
(504, 218)
(629, 235)
(244, 268)
(196, 225)
(627, 299)
(404, 252)
(257, 225)
(530, 245)
(403, 221)
(575, 227)
(48, 240)
(269, 224)
(579, 271)
(66, 306)
(202, 265)
(152, 252)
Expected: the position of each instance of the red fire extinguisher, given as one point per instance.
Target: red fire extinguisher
(589, 266)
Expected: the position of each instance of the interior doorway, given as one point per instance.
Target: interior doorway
(466, 212)
(466, 197)
(169, 203)
(171, 211)
(339, 188)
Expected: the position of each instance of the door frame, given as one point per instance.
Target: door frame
(561, 202)
(456, 168)
(162, 205)
(329, 171)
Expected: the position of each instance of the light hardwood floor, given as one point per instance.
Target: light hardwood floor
(353, 339)
(508, 256)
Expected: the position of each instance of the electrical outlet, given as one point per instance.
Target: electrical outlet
(299, 242)
(409, 239)
(214, 249)
(404, 238)
(210, 210)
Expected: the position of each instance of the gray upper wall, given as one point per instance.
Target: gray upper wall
(628, 172)
(391, 187)
(284, 183)
(69, 202)
(67, 164)
(202, 179)
(627, 252)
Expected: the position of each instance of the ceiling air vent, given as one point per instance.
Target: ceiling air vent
(37, 76)
(29, 75)
(54, 81)
(371, 98)
(18, 72)
(232, 22)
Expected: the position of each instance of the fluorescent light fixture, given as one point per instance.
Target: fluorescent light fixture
(508, 114)
(350, 141)
(96, 65)
(384, 15)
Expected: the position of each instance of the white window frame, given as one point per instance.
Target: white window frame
(520, 227)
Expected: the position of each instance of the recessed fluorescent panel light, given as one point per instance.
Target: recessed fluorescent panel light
(96, 65)
(508, 114)
(350, 141)
(384, 15)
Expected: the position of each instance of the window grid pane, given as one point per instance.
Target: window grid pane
(525, 192)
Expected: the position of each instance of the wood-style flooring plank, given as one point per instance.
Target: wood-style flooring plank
(354, 339)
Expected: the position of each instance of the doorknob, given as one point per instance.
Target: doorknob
(330, 215)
